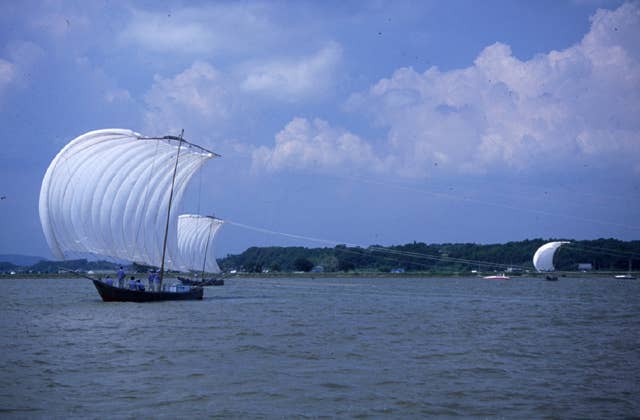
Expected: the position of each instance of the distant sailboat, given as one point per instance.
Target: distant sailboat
(195, 242)
(543, 258)
(112, 193)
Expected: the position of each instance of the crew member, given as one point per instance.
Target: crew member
(121, 276)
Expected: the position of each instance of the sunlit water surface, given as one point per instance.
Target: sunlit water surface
(355, 347)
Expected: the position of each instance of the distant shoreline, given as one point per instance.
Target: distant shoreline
(302, 276)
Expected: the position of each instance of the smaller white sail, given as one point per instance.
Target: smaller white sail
(195, 237)
(543, 258)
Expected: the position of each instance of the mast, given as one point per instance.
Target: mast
(166, 227)
(206, 248)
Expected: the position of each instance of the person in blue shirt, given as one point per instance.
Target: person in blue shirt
(156, 282)
(132, 283)
(152, 274)
(121, 276)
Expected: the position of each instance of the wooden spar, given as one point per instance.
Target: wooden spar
(206, 248)
(166, 227)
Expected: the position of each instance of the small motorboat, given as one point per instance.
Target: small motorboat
(627, 276)
(497, 277)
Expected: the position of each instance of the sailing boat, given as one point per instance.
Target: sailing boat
(112, 193)
(543, 258)
(195, 235)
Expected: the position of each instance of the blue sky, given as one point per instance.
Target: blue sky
(356, 122)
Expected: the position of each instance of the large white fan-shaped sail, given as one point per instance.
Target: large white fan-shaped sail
(195, 236)
(107, 193)
(543, 258)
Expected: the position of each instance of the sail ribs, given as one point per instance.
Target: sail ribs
(106, 193)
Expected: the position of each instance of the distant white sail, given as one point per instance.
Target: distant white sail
(543, 258)
(107, 193)
(195, 237)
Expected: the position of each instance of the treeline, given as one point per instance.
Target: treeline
(45, 266)
(600, 254)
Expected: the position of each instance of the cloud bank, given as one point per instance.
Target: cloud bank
(204, 96)
(575, 107)
(314, 144)
(197, 94)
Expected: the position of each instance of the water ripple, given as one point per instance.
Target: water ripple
(358, 348)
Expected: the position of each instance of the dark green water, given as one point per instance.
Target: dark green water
(278, 348)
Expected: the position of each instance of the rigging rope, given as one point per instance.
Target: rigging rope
(289, 235)
(395, 252)
(484, 202)
(199, 186)
(605, 251)
(449, 196)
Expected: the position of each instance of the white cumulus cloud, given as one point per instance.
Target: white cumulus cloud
(294, 78)
(579, 104)
(314, 143)
(557, 110)
(197, 97)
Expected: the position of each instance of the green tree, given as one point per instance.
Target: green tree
(346, 265)
(303, 264)
(275, 267)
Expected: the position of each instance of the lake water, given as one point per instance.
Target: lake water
(358, 347)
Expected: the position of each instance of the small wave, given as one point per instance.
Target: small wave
(254, 348)
(246, 333)
(55, 384)
(356, 356)
(6, 410)
(388, 382)
(290, 334)
(306, 356)
(333, 385)
(406, 403)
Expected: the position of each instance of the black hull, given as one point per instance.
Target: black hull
(206, 282)
(116, 294)
(551, 278)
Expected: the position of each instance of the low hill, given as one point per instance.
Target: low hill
(600, 254)
(20, 260)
